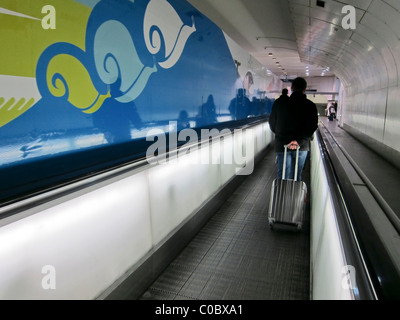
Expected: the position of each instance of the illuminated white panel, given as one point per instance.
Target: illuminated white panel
(259, 139)
(178, 188)
(228, 166)
(328, 277)
(327, 257)
(90, 241)
(318, 200)
(268, 134)
(239, 149)
(207, 175)
(182, 185)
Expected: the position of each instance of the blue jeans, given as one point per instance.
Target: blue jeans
(290, 163)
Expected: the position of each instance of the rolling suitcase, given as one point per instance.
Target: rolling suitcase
(288, 198)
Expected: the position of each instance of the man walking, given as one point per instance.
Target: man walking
(293, 121)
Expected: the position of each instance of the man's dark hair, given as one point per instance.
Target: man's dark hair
(299, 84)
(285, 91)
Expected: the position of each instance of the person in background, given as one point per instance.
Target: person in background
(284, 94)
(293, 120)
(332, 112)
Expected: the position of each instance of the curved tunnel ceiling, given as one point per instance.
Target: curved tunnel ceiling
(300, 33)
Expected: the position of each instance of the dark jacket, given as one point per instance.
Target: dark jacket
(293, 118)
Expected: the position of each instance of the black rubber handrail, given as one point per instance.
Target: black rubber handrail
(391, 215)
(364, 288)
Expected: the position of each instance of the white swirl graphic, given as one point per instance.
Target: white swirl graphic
(117, 60)
(163, 27)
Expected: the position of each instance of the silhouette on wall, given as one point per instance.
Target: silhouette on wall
(183, 120)
(116, 120)
(240, 105)
(207, 114)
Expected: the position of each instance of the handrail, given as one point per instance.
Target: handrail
(81, 183)
(350, 243)
(391, 215)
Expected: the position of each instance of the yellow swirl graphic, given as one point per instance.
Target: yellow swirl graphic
(66, 76)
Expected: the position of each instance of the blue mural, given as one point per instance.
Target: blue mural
(145, 63)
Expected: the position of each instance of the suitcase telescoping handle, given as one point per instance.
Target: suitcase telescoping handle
(296, 165)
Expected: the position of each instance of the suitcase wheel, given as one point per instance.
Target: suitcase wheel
(271, 223)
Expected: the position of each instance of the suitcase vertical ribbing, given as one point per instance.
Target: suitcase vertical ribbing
(288, 198)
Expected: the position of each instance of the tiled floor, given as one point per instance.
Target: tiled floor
(237, 257)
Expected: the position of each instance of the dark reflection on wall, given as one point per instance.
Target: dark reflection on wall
(267, 106)
(207, 113)
(183, 120)
(116, 120)
(240, 105)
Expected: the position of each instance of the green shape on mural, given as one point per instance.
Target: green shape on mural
(11, 110)
(23, 40)
(81, 92)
